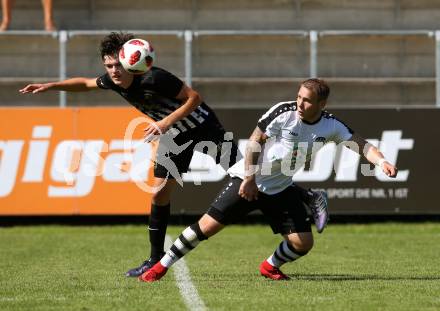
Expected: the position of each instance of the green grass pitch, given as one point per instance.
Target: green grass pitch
(389, 266)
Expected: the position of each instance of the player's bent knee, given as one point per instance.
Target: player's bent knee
(160, 198)
(165, 186)
(209, 225)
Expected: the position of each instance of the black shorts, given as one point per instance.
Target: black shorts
(285, 211)
(208, 138)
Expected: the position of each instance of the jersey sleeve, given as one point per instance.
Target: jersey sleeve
(104, 82)
(272, 121)
(342, 131)
(166, 84)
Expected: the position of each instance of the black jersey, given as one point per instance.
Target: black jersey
(154, 94)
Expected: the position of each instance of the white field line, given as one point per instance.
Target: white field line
(183, 279)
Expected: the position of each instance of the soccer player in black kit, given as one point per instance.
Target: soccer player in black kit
(182, 120)
(176, 109)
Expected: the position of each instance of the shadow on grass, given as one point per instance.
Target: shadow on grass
(362, 277)
(220, 278)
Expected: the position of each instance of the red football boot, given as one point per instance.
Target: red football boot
(271, 272)
(154, 274)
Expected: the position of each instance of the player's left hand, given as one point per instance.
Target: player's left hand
(389, 169)
(155, 129)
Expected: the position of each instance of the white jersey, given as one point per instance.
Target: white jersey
(290, 145)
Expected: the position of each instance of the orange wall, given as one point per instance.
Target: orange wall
(31, 141)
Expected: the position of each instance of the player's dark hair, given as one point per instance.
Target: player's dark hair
(318, 86)
(112, 43)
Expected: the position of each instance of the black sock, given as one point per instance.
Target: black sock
(157, 228)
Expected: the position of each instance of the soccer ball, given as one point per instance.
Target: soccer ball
(137, 56)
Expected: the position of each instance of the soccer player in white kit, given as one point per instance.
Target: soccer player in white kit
(285, 139)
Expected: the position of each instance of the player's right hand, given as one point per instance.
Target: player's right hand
(248, 190)
(35, 88)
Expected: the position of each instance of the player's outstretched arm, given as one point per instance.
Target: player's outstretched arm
(71, 85)
(374, 156)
